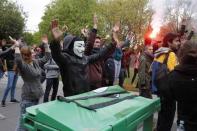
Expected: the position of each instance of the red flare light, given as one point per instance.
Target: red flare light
(153, 35)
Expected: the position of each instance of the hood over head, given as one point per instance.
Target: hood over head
(68, 40)
(161, 50)
(68, 44)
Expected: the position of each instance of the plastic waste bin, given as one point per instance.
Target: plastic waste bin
(105, 109)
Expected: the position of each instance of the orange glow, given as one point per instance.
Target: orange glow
(153, 35)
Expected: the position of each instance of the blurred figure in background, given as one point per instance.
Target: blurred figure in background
(135, 64)
(52, 79)
(144, 81)
(12, 74)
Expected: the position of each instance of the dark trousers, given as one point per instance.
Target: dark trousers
(66, 91)
(166, 114)
(51, 83)
(134, 75)
(128, 71)
(145, 93)
(122, 76)
(110, 82)
(190, 127)
(43, 76)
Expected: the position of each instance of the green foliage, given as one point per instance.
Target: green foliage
(28, 38)
(131, 14)
(73, 13)
(12, 20)
(36, 38)
(76, 14)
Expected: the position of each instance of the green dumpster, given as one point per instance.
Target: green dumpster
(106, 109)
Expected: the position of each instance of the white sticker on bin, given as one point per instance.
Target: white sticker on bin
(100, 90)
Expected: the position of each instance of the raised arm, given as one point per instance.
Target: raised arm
(47, 55)
(109, 48)
(183, 27)
(90, 42)
(4, 53)
(129, 39)
(55, 47)
(190, 34)
(18, 58)
(91, 37)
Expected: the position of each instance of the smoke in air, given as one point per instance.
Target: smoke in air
(160, 8)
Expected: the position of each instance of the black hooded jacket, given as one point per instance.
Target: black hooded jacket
(74, 70)
(182, 87)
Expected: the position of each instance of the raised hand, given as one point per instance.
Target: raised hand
(116, 27)
(45, 40)
(65, 28)
(130, 36)
(95, 21)
(115, 31)
(194, 28)
(16, 43)
(184, 21)
(57, 33)
(85, 31)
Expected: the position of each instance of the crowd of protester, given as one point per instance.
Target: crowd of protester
(87, 62)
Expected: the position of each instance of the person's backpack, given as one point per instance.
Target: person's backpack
(159, 75)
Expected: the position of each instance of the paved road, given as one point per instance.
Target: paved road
(9, 114)
(11, 111)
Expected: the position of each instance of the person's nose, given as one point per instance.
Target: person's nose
(83, 48)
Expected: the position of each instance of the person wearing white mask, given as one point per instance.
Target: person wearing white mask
(73, 63)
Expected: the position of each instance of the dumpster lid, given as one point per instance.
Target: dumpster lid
(69, 116)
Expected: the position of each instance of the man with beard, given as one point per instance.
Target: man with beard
(165, 55)
(96, 69)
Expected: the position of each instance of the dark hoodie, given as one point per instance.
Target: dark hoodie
(74, 70)
(182, 85)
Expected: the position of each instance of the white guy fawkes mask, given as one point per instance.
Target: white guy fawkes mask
(79, 48)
